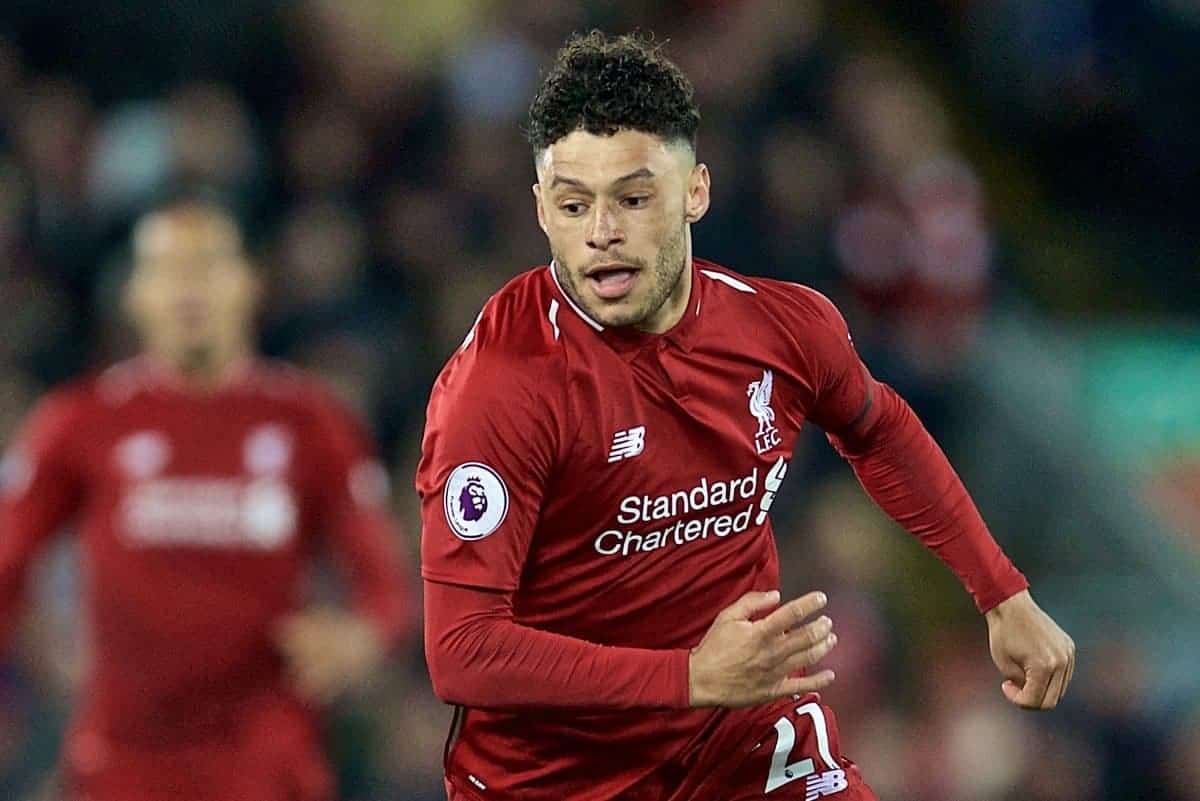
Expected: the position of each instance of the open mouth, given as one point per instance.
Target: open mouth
(612, 281)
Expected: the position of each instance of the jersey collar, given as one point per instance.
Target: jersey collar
(165, 376)
(629, 340)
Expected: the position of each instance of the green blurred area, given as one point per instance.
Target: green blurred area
(1139, 392)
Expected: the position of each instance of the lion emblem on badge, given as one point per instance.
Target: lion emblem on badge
(473, 501)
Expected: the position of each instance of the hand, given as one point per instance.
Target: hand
(742, 663)
(1035, 655)
(329, 652)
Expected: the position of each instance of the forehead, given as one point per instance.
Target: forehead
(598, 160)
(188, 230)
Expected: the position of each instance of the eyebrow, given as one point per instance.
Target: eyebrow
(643, 172)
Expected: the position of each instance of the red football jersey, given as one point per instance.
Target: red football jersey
(197, 515)
(618, 485)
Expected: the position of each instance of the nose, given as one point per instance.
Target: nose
(604, 231)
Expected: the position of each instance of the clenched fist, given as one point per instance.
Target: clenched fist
(1036, 657)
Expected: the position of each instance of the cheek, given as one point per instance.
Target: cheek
(564, 235)
(160, 310)
(660, 223)
(234, 306)
(562, 225)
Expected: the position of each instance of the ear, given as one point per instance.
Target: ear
(541, 211)
(698, 196)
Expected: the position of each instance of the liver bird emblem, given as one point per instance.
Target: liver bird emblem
(759, 393)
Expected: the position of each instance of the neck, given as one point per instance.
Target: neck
(205, 370)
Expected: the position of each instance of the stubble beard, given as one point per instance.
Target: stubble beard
(665, 277)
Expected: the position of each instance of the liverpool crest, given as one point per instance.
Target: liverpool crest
(759, 393)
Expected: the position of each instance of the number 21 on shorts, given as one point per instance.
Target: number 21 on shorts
(818, 784)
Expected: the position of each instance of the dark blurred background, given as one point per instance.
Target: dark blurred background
(1000, 194)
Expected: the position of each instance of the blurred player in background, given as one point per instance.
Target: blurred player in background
(202, 482)
(599, 460)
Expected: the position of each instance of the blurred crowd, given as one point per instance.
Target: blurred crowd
(374, 152)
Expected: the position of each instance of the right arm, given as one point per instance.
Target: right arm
(491, 438)
(40, 488)
(478, 656)
(492, 432)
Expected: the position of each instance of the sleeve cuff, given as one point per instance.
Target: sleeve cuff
(1000, 591)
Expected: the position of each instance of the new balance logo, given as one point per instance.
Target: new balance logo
(627, 444)
(828, 783)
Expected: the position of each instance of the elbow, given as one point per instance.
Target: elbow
(465, 633)
(443, 676)
(451, 674)
(888, 422)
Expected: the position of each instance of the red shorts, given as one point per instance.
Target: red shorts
(786, 751)
(797, 756)
(276, 756)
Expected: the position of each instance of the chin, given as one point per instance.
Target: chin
(616, 316)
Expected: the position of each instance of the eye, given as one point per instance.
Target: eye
(635, 201)
(573, 208)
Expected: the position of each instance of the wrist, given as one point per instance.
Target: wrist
(1009, 606)
(691, 678)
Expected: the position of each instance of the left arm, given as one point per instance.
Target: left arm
(905, 472)
(331, 651)
(363, 539)
(909, 477)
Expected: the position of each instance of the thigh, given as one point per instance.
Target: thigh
(798, 757)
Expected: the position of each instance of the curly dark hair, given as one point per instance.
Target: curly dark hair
(603, 84)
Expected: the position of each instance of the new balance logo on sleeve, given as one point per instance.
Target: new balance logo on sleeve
(627, 444)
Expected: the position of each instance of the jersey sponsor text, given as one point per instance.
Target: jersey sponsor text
(703, 495)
